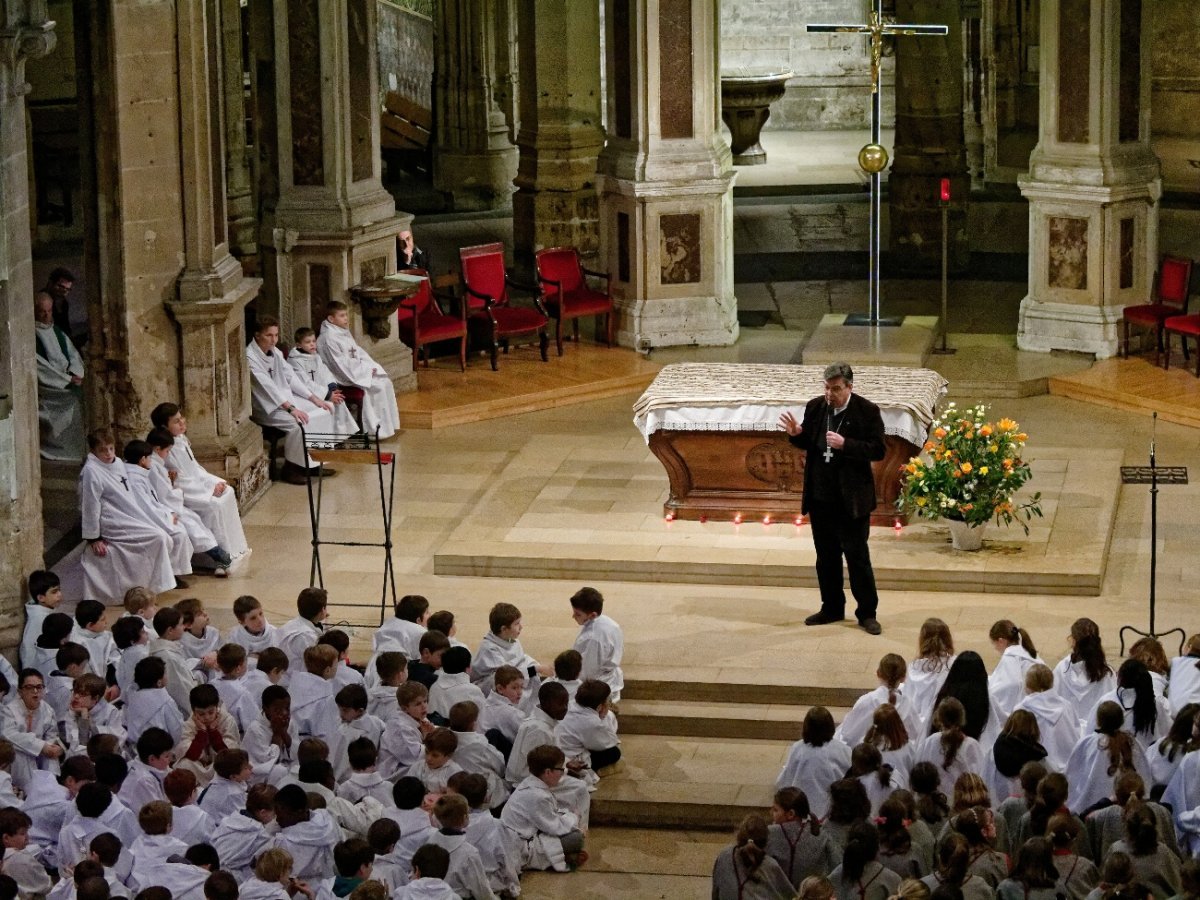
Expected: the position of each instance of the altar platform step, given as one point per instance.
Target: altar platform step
(586, 371)
(1137, 385)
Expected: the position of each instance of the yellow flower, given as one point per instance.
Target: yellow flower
(1022, 436)
(983, 470)
(1006, 425)
(992, 448)
(967, 467)
(920, 501)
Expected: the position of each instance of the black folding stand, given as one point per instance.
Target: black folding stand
(358, 449)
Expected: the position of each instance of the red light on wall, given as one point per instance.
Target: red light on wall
(945, 190)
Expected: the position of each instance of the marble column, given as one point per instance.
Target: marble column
(561, 133)
(332, 224)
(474, 161)
(25, 32)
(973, 96)
(243, 226)
(929, 141)
(666, 179)
(212, 290)
(1093, 184)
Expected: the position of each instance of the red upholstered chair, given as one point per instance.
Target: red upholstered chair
(1169, 298)
(566, 294)
(422, 320)
(489, 310)
(1186, 327)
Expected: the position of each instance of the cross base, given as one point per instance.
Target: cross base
(881, 321)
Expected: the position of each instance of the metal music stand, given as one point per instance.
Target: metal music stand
(358, 449)
(1137, 475)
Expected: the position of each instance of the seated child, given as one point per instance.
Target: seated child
(71, 661)
(155, 844)
(31, 727)
(107, 850)
(587, 732)
(48, 800)
(209, 554)
(298, 634)
(466, 874)
(192, 825)
(573, 794)
(352, 366)
(501, 717)
(45, 594)
(150, 705)
(443, 621)
(437, 764)
(475, 754)
(271, 668)
(567, 667)
(403, 737)
(182, 673)
(315, 775)
(18, 862)
(8, 794)
(141, 602)
(353, 860)
(308, 835)
(89, 713)
(600, 642)
(364, 780)
(91, 631)
(56, 631)
(231, 661)
(383, 837)
(429, 867)
(272, 740)
(199, 638)
(86, 883)
(427, 666)
(486, 834)
(313, 706)
(540, 835)
(405, 630)
(273, 878)
(252, 631)
(454, 684)
(344, 674)
(356, 722)
(99, 812)
(312, 371)
(501, 647)
(239, 839)
(410, 814)
(226, 793)
(143, 783)
(133, 644)
(206, 733)
(391, 671)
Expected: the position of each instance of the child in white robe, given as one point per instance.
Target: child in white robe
(90, 714)
(199, 638)
(466, 875)
(815, 761)
(190, 823)
(1103, 753)
(272, 878)
(454, 683)
(209, 552)
(313, 708)
(225, 795)
(99, 812)
(403, 738)
(948, 748)
(298, 634)
(891, 674)
(144, 783)
(132, 641)
(92, 633)
(71, 661)
(56, 631)
(588, 733)
(30, 725)
(364, 780)
(150, 706)
(1083, 676)
(486, 834)
(209, 731)
(19, 863)
(429, 867)
(435, 766)
(1185, 676)
(475, 754)
(538, 834)
(928, 671)
(308, 835)
(182, 674)
(353, 367)
(1056, 720)
(45, 594)
(240, 838)
(404, 631)
(1006, 684)
(501, 646)
(231, 660)
(391, 671)
(310, 368)
(600, 641)
(137, 468)
(501, 716)
(355, 720)
(272, 740)
(252, 631)
(155, 845)
(211, 497)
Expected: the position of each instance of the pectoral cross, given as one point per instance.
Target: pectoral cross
(124, 483)
(828, 454)
(873, 155)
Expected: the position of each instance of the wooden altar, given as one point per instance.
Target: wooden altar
(717, 470)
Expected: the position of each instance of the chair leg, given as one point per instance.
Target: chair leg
(462, 353)
(1125, 354)
(608, 327)
(1167, 352)
(558, 333)
(575, 328)
(544, 342)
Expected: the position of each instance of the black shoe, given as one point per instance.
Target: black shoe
(322, 472)
(871, 626)
(180, 584)
(292, 474)
(823, 618)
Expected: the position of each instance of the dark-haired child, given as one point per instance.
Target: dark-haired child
(475, 753)
(356, 722)
(364, 780)
(132, 641)
(18, 862)
(501, 646)
(56, 631)
(231, 662)
(45, 594)
(252, 631)
(155, 756)
(200, 640)
(273, 739)
(181, 672)
(486, 834)
(600, 641)
(91, 632)
(428, 665)
(88, 713)
(443, 621)
(568, 666)
(454, 685)
(587, 732)
(390, 669)
(209, 730)
(226, 793)
(437, 764)
(545, 836)
(345, 673)
(298, 634)
(70, 662)
(238, 839)
(150, 705)
(404, 631)
(209, 552)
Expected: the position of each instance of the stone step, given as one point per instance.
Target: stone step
(737, 721)
(754, 693)
(695, 783)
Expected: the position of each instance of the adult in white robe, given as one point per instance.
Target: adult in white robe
(281, 400)
(158, 512)
(126, 547)
(60, 374)
(208, 495)
(352, 366)
(315, 375)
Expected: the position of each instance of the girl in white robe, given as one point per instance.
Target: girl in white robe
(890, 735)
(1146, 715)
(1057, 726)
(1185, 677)
(927, 673)
(1017, 653)
(1101, 756)
(1165, 755)
(950, 749)
(815, 761)
(891, 674)
(126, 547)
(209, 496)
(353, 366)
(312, 371)
(1083, 676)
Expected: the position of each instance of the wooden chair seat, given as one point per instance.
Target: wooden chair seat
(495, 318)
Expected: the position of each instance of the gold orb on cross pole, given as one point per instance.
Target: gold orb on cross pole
(873, 158)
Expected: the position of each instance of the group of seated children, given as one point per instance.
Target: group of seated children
(1028, 783)
(150, 753)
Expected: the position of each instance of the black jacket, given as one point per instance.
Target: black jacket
(862, 427)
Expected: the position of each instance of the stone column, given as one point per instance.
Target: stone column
(1093, 184)
(25, 32)
(561, 133)
(474, 161)
(333, 224)
(929, 141)
(973, 93)
(666, 181)
(243, 241)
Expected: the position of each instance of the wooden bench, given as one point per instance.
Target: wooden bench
(406, 134)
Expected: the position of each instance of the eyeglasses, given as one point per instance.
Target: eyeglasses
(558, 769)
(34, 688)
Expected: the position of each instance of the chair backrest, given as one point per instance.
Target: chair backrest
(483, 271)
(1171, 287)
(418, 302)
(560, 264)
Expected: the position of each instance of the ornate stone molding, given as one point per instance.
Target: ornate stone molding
(20, 43)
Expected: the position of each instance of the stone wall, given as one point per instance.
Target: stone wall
(1175, 93)
(405, 48)
(831, 87)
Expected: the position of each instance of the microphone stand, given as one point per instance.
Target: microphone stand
(1153, 552)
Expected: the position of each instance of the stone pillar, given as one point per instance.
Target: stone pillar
(666, 181)
(243, 241)
(474, 161)
(212, 290)
(25, 32)
(333, 225)
(1093, 184)
(561, 132)
(973, 93)
(929, 141)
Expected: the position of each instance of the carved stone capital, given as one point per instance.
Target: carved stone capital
(22, 42)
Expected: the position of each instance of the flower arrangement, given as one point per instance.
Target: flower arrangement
(969, 471)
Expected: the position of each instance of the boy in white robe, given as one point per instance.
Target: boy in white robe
(600, 641)
(132, 641)
(475, 754)
(30, 725)
(124, 546)
(210, 496)
(45, 594)
(92, 633)
(353, 367)
(155, 845)
(190, 824)
(144, 783)
(99, 812)
(364, 780)
(19, 863)
(182, 674)
(204, 541)
(137, 468)
(436, 765)
(298, 634)
(309, 836)
(150, 706)
(539, 835)
(404, 631)
(355, 720)
(226, 793)
(60, 373)
(240, 838)
(231, 660)
(454, 683)
(199, 638)
(312, 371)
(390, 668)
(403, 738)
(272, 740)
(281, 400)
(587, 732)
(252, 631)
(430, 864)
(466, 875)
(501, 646)
(90, 714)
(71, 661)
(313, 708)
(501, 716)
(486, 834)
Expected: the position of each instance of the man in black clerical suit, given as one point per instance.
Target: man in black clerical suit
(841, 434)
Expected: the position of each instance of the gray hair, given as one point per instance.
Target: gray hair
(839, 370)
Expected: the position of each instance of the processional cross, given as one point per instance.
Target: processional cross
(873, 158)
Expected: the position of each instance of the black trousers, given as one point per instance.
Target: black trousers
(836, 534)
